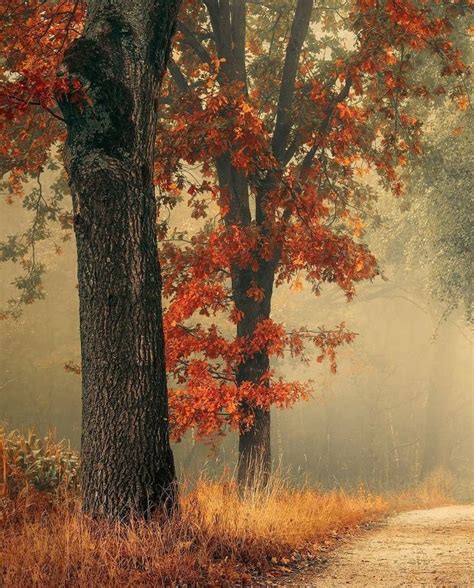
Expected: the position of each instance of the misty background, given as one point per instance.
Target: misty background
(401, 403)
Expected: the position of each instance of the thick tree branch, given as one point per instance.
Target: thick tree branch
(225, 31)
(191, 40)
(178, 77)
(238, 21)
(299, 30)
(220, 16)
(323, 128)
(305, 165)
(298, 139)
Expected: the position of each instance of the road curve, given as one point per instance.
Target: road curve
(418, 548)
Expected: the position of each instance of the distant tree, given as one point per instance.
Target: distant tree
(426, 240)
(274, 114)
(430, 230)
(442, 235)
(107, 90)
(441, 215)
(435, 233)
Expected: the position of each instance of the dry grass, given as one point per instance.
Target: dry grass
(436, 490)
(217, 540)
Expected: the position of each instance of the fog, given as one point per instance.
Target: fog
(400, 405)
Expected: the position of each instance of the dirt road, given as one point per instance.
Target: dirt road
(418, 548)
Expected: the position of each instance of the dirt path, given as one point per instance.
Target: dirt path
(418, 548)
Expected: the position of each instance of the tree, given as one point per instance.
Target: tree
(107, 92)
(429, 238)
(442, 217)
(282, 108)
(429, 231)
(441, 233)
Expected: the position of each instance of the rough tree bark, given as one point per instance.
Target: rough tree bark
(127, 463)
(255, 459)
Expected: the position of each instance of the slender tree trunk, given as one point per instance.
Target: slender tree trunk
(438, 420)
(127, 463)
(255, 460)
(435, 449)
(228, 20)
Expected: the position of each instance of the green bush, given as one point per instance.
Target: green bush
(43, 464)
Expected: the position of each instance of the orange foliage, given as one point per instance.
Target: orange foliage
(355, 118)
(349, 114)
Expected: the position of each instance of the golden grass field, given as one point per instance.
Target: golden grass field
(218, 538)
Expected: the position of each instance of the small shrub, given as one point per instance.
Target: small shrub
(29, 463)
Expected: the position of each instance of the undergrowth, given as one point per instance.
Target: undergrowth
(217, 539)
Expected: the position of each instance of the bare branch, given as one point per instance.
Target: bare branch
(191, 40)
(238, 22)
(299, 30)
(178, 77)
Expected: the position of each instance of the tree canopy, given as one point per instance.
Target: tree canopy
(273, 116)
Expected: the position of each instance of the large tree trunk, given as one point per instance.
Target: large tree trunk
(127, 463)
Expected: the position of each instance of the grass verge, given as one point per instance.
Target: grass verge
(218, 539)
